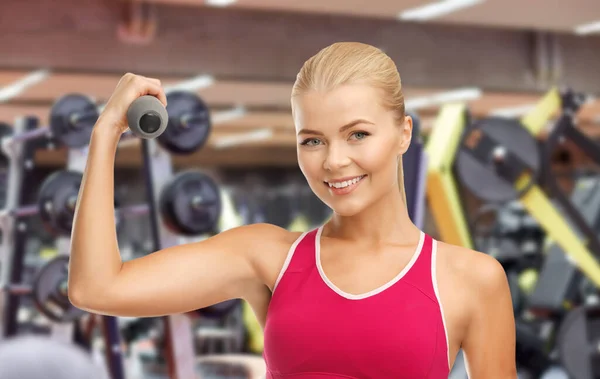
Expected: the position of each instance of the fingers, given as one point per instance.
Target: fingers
(145, 86)
(154, 88)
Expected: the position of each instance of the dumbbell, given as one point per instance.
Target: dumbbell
(49, 291)
(72, 119)
(190, 203)
(181, 128)
(61, 187)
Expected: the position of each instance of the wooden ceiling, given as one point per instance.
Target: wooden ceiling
(266, 105)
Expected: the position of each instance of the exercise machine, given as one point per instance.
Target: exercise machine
(501, 160)
(443, 192)
(414, 163)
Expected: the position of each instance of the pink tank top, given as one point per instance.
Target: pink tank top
(315, 330)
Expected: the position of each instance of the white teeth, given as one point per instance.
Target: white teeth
(345, 183)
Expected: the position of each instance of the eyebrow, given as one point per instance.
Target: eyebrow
(342, 129)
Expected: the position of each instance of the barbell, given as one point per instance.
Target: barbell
(49, 291)
(182, 127)
(190, 203)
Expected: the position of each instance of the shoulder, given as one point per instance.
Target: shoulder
(266, 246)
(487, 313)
(265, 234)
(480, 274)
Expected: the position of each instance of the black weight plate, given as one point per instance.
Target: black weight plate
(189, 123)
(72, 120)
(482, 178)
(219, 310)
(55, 201)
(577, 342)
(49, 292)
(177, 207)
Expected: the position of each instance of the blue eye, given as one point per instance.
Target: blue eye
(360, 135)
(307, 142)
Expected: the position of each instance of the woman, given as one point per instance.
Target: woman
(367, 295)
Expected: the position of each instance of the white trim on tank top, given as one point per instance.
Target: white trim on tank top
(288, 259)
(350, 296)
(437, 293)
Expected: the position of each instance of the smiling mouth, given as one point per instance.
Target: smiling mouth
(345, 186)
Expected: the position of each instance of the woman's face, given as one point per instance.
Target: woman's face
(348, 146)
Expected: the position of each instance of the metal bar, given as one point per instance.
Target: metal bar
(133, 210)
(29, 135)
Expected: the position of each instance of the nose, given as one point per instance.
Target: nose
(337, 157)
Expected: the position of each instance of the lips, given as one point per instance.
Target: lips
(344, 182)
(345, 185)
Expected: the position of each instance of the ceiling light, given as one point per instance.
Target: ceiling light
(458, 95)
(219, 3)
(512, 112)
(437, 9)
(243, 138)
(228, 115)
(592, 27)
(194, 84)
(15, 89)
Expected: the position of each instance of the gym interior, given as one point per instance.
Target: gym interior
(504, 160)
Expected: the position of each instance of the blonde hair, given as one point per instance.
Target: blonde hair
(352, 63)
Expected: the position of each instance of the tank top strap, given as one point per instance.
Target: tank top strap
(422, 273)
(300, 256)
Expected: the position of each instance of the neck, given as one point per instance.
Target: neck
(384, 222)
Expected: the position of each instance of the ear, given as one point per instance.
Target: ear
(405, 134)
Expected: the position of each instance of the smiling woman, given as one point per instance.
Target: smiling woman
(367, 294)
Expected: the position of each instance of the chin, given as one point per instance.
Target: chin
(346, 208)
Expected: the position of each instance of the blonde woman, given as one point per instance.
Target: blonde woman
(366, 295)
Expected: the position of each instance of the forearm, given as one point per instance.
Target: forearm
(95, 258)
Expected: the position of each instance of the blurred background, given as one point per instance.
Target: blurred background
(525, 73)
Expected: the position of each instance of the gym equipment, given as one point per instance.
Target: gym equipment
(189, 123)
(147, 117)
(414, 163)
(5, 131)
(157, 168)
(522, 175)
(57, 199)
(58, 188)
(495, 153)
(181, 128)
(49, 291)
(219, 310)
(191, 204)
(15, 229)
(70, 128)
(12, 245)
(515, 239)
(560, 284)
(443, 194)
(578, 342)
